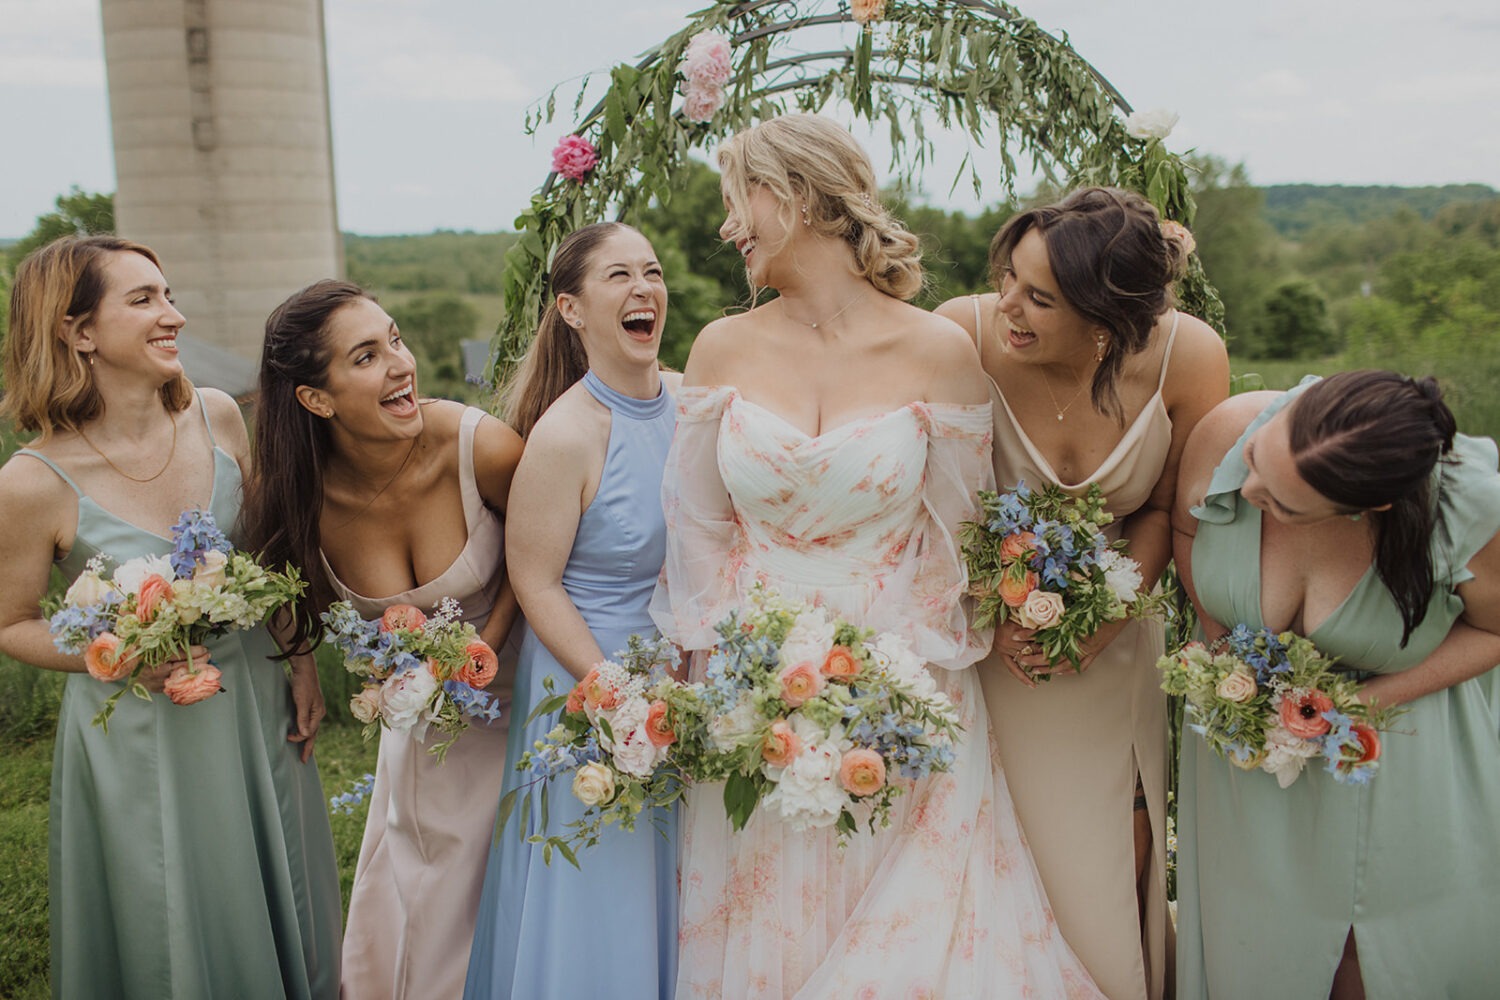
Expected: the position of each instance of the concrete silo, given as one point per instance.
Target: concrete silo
(224, 161)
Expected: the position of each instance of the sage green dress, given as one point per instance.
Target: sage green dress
(1271, 880)
(190, 853)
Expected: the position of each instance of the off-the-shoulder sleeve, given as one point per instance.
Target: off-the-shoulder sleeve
(1221, 501)
(1468, 506)
(697, 585)
(927, 599)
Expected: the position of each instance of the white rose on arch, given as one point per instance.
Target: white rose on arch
(1154, 124)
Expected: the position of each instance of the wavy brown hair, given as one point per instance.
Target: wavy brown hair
(48, 387)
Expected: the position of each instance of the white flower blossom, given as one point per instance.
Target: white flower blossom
(403, 700)
(634, 753)
(89, 589)
(1154, 124)
(730, 730)
(1287, 755)
(1122, 575)
(133, 572)
(807, 793)
(809, 640)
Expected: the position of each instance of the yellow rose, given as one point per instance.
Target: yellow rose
(594, 784)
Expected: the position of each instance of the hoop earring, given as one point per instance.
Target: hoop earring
(1099, 348)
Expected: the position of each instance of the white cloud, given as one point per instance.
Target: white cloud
(1276, 84)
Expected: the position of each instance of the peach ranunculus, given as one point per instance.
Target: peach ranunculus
(1042, 609)
(105, 660)
(598, 694)
(575, 699)
(1369, 742)
(481, 667)
(1014, 591)
(862, 772)
(402, 616)
(841, 662)
(781, 745)
(1178, 232)
(435, 669)
(799, 682)
(154, 590)
(365, 706)
(1302, 716)
(865, 11)
(658, 729)
(1017, 544)
(1237, 686)
(186, 686)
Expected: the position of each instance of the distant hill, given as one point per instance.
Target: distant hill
(444, 261)
(1293, 209)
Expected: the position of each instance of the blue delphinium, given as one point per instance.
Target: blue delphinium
(193, 536)
(347, 802)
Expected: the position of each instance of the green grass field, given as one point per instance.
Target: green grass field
(25, 776)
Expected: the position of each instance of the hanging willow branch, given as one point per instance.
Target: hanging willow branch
(969, 65)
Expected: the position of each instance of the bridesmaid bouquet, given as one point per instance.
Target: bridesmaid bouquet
(1040, 558)
(1275, 702)
(152, 608)
(806, 716)
(615, 737)
(418, 671)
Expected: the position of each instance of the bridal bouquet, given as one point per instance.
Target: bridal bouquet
(1040, 558)
(419, 671)
(1275, 702)
(152, 608)
(614, 736)
(811, 718)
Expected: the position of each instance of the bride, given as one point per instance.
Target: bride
(829, 443)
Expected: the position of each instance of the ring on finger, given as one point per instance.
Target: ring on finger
(1024, 650)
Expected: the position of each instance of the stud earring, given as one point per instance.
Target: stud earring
(1356, 515)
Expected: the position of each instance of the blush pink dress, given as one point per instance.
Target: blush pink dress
(421, 863)
(946, 903)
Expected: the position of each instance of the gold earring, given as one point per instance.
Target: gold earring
(89, 357)
(1099, 348)
(806, 215)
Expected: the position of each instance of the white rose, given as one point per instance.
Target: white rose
(1237, 686)
(809, 640)
(730, 730)
(1042, 608)
(594, 784)
(212, 572)
(365, 706)
(1122, 575)
(1155, 124)
(807, 793)
(636, 754)
(404, 697)
(1287, 754)
(89, 589)
(133, 572)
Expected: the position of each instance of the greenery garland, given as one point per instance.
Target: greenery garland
(969, 64)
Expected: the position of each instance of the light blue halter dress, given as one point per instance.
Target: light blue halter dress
(609, 930)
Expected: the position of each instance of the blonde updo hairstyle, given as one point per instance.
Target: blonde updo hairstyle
(805, 159)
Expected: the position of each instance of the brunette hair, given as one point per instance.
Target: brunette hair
(555, 359)
(1112, 264)
(283, 497)
(48, 386)
(808, 160)
(1368, 438)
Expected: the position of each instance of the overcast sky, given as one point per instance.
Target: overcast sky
(428, 96)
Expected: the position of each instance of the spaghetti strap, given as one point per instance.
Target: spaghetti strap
(978, 329)
(1167, 354)
(468, 486)
(206, 424)
(53, 466)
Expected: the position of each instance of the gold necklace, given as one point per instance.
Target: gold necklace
(370, 502)
(830, 319)
(1062, 411)
(170, 453)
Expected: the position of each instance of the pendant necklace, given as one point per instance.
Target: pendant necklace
(172, 451)
(1062, 410)
(830, 319)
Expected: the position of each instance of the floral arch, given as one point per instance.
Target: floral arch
(970, 65)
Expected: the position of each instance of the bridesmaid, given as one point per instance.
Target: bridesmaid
(1349, 511)
(347, 454)
(587, 542)
(1095, 379)
(190, 854)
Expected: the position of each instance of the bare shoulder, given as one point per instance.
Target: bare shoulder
(672, 382)
(440, 419)
(960, 310)
(226, 419)
(1220, 428)
(575, 426)
(945, 351)
(717, 348)
(1197, 350)
(33, 496)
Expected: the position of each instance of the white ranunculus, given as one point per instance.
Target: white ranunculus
(730, 730)
(133, 572)
(89, 589)
(809, 640)
(1287, 754)
(1122, 575)
(807, 793)
(1154, 124)
(404, 697)
(212, 572)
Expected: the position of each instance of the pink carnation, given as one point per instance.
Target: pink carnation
(700, 104)
(186, 687)
(706, 62)
(574, 156)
